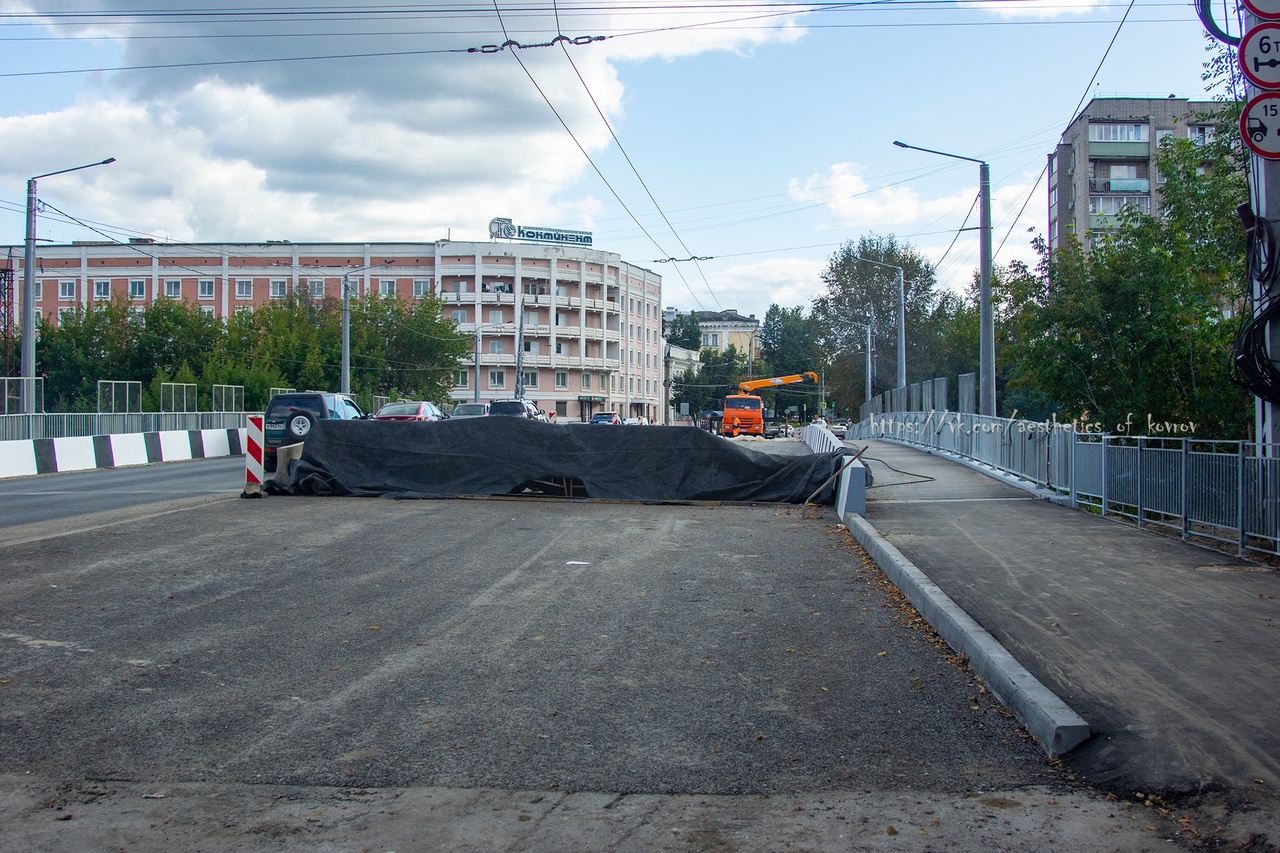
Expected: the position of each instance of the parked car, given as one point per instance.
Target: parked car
(515, 409)
(289, 418)
(410, 411)
(778, 429)
(470, 410)
(610, 418)
(838, 429)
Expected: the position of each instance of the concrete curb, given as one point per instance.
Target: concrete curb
(1056, 727)
(27, 458)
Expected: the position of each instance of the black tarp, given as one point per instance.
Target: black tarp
(500, 456)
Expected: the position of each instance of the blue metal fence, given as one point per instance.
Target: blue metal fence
(24, 427)
(1211, 490)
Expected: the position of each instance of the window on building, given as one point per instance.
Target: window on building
(531, 379)
(586, 382)
(278, 288)
(1110, 205)
(495, 316)
(562, 319)
(495, 347)
(206, 310)
(102, 288)
(204, 288)
(244, 309)
(66, 313)
(387, 288)
(315, 287)
(422, 287)
(561, 348)
(1118, 132)
(1200, 134)
(66, 289)
(1124, 171)
(562, 409)
(460, 378)
(459, 315)
(172, 288)
(562, 379)
(138, 314)
(39, 287)
(532, 347)
(244, 288)
(497, 379)
(137, 288)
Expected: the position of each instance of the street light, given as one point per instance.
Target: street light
(346, 322)
(987, 334)
(28, 364)
(902, 325)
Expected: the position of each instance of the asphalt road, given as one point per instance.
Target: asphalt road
(25, 500)
(501, 674)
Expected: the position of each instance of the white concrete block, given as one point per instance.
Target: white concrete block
(17, 459)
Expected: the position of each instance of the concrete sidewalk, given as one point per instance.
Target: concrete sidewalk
(1170, 651)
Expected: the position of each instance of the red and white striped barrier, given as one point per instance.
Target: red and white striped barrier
(253, 469)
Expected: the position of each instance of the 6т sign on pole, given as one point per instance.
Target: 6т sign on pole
(1260, 125)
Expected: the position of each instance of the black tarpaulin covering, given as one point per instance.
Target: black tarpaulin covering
(499, 456)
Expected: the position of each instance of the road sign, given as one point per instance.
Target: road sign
(1260, 125)
(1264, 8)
(1260, 56)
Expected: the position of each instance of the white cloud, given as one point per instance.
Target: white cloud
(400, 147)
(853, 203)
(1042, 9)
(749, 288)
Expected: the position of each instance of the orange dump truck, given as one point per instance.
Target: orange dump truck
(744, 411)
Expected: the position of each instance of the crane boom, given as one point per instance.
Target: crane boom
(806, 378)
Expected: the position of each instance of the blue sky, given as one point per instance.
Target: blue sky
(764, 139)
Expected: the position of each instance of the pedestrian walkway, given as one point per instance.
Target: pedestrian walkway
(1170, 651)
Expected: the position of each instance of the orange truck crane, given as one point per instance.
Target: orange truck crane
(744, 411)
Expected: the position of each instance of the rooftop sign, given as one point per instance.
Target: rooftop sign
(503, 229)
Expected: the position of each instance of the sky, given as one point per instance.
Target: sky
(731, 146)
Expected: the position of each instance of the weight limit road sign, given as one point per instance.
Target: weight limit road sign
(1260, 56)
(1260, 125)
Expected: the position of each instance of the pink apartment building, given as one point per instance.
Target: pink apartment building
(581, 326)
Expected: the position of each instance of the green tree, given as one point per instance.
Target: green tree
(788, 345)
(862, 288)
(684, 331)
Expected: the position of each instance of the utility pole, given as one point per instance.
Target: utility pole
(986, 322)
(1260, 132)
(28, 350)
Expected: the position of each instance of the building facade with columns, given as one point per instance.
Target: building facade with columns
(577, 329)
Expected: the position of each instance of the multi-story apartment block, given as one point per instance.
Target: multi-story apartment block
(1106, 161)
(581, 326)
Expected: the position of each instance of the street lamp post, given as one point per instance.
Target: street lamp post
(902, 325)
(986, 333)
(346, 322)
(28, 362)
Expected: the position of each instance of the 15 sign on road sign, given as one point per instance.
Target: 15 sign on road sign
(1260, 125)
(1260, 56)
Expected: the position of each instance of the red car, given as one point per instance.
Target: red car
(409, 411)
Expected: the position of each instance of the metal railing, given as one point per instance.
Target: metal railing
(1195, 488)
(25, 427)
